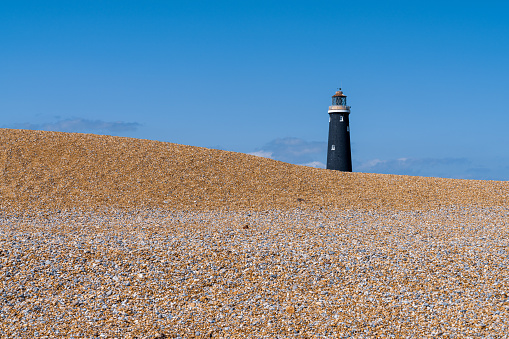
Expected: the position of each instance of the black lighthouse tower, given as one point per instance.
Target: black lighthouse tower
(339, 155)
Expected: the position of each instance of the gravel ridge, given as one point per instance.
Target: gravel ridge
(53, 171)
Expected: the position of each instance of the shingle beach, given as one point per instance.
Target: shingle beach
(109, 237)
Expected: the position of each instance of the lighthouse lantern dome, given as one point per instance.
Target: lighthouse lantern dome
(339, 99)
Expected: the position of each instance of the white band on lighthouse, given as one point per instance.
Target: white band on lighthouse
(339, 109)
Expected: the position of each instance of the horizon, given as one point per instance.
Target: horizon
(426, 82)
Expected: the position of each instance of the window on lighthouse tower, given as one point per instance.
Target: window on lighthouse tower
(340, 118)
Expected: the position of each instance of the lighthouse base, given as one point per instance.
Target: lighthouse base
(339, 155)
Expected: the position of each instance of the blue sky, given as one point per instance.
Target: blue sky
(427, 80)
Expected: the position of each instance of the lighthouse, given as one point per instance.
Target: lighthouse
(339, 154)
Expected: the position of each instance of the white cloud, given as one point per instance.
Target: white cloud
(294, 151)
(82, 125)
(263, 154)
(430, 167)
(315, 164)
(371, 163)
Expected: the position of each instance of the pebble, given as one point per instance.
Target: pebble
(362, 272)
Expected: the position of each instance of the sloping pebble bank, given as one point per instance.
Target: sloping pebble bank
(107, 237)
